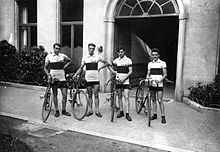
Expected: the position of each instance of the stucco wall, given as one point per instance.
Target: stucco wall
(47, 28)
(200, 63)
(7, 21)
(93, 23)
(93, 28)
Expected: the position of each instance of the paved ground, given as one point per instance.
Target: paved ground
(186, 129)
(23, 136)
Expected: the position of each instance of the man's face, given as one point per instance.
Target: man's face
(155, 55)
(91, 50)
(121, 53)
(56, 49)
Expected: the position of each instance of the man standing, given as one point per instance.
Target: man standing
(123, 67)
(92, 77)
(54, 67)
(157, 70)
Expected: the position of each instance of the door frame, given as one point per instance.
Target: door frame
(109, 21)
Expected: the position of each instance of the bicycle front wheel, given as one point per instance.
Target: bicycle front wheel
(47, 105)
(139, 99)
(79, 104)
(113, 105)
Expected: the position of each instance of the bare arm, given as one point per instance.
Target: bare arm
(112, 70)
(79, 70)
(164, 74)
(148, 73)
(106, 64)
(46, 69)
(128, 75)
(68, 62)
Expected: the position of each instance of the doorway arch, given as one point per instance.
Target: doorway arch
(112, 10)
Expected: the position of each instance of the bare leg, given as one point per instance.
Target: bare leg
(161, 104)
(120, 99)
(127, 103)
(96, 95)
(89, 90)
(55, 100)
(64, 97)
(154, 101)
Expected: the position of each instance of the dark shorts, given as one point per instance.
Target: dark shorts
(123, 86)
(156, 88)
(60, 84)
(92, 83)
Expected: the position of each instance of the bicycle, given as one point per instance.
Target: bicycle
(79, 102)
(112, 98)
(140, 99)
(48, 102)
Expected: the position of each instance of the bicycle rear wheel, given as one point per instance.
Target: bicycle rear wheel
(113, 105)
(139, 99)
(79, 104)
(47, 105)
(149, 109)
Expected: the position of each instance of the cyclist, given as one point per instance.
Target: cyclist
(157, 70)
(123, 71)
(55, 64)
(92, 77)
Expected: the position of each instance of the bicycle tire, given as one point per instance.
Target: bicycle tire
(149, 109)
(113, 105)
(47, 105)
(139, 99)
(79, 104)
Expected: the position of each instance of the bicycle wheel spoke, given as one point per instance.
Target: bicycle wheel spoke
(47, 105)
(79, 105)
(139, 103)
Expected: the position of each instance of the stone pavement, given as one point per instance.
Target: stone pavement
(186, 129)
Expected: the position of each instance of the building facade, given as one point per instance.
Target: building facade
(187, 32)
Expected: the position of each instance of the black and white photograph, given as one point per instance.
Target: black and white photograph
(109, 76)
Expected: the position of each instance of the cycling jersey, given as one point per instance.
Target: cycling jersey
(91, 67)
(56, 64)
(122, 67)
(156, 71)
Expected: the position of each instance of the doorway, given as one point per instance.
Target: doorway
(139, 35)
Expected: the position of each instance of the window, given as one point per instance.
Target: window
(72, 29)
(27, 24)
(143, 8)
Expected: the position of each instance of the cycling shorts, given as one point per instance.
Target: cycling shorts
(60, 84)
(92, 83)
(123, 86)
(156, 88)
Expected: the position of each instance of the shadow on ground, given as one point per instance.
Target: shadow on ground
(13, 139)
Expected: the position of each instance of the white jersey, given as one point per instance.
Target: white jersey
(156, 71)
(122, 67)
(56, 64)
(91, 65)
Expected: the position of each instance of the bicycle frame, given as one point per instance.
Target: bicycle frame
(113, 93)
(78, 98)
(141, 102)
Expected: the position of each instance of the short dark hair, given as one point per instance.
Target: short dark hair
(91, 44)
(120, 48)
(156, 50)
(56, 44)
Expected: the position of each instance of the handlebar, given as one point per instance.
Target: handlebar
(149, 82)
(52, 80)
(114, 81)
